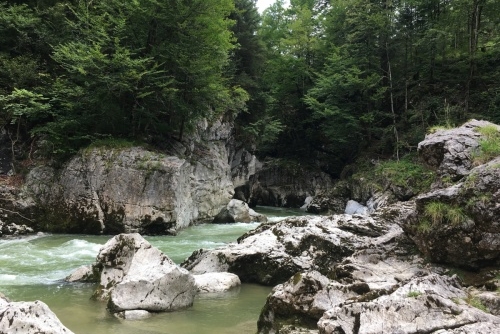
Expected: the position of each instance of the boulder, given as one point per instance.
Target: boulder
(81, 274)
(331, 201)
(238, 211)
(274, 252)
(450, 151)
(29, 318)
(367, 274)
(423, 305)
(460, 224)
(302, 300)
(133, 275)
(359, 190)
(216, 282)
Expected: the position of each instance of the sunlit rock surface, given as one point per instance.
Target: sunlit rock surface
(29, 318)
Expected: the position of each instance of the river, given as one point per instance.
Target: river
(33, 268)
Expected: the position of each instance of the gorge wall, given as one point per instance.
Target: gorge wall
(106, 190)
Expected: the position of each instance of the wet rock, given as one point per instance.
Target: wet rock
(133, 315)
(29, 318)
(13, 229)
(216, 282)
(133, 275)
(238, 211)
(272, 253)
(81, 274)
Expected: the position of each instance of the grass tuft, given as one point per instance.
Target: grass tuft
(436, 213)
(414, 294)
(489, 146)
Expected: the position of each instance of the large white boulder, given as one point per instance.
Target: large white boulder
(137, 276)
(29, 318)
(272, 253)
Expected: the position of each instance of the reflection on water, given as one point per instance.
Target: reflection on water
(33, 268)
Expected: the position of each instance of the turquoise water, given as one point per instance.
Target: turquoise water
(33, 268)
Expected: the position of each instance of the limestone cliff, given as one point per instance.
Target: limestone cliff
(103, 190)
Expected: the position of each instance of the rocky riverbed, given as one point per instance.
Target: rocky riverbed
(391, 269)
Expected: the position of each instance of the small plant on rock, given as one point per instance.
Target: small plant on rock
(424, 226)
(414, 294)
(476, 302)
(489, 146)
(439, 212)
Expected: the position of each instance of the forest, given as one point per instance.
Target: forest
(318, 81)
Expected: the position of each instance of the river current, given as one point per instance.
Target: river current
(34, 268)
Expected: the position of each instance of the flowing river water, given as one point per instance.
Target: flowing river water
(33, 268)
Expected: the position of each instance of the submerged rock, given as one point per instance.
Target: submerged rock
(133, 275)
(29, 318)
(133, 315)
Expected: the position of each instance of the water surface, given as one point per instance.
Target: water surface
(33, 268)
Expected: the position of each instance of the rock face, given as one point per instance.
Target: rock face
(382, 287)
(133, 275)
(451, 151)
(458, 223)
(133, 189)
(423, 305)
(275, 183)
(238, 211)
(29, 318)
(272, 253)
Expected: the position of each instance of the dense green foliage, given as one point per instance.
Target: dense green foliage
(374, 75)
(318, 80)
(78, 71)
